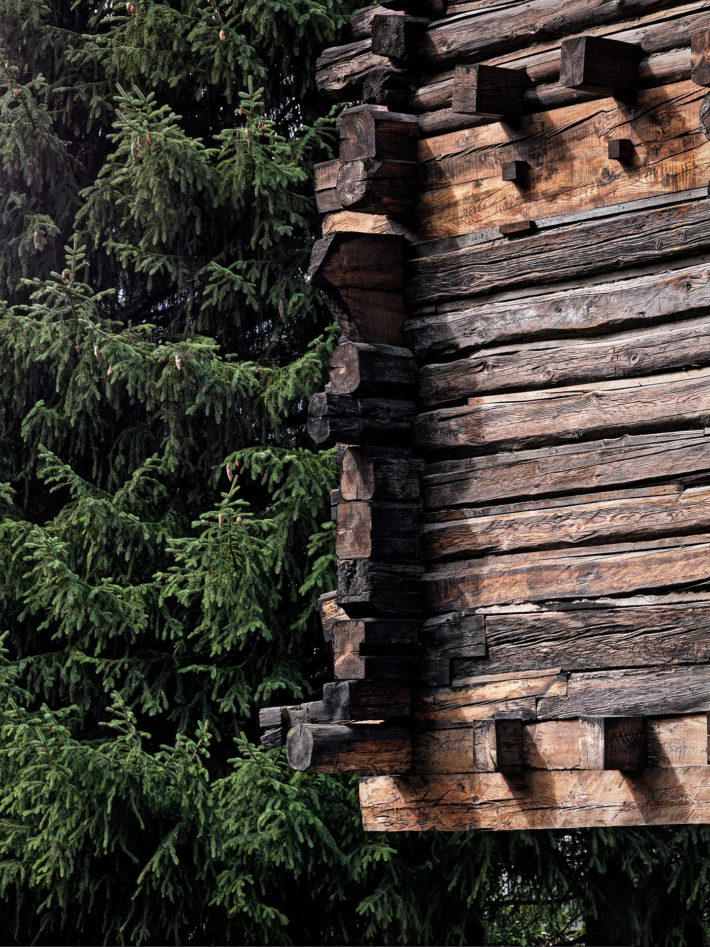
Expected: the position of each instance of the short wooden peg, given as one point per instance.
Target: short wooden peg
(515, 171)
(621, 150)
(603, 66)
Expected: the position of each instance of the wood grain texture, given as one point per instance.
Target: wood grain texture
(600, 65)
(333, 418)
(568, 468)
(358, 748)
(367, 529)
(559, 414)
(357, 368)
(367, 700)
(545, 800)
(368, 588)
(588, 572)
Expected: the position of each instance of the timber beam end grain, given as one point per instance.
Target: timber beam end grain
(369, 132)
(358, 368)
(700, 57)
(333, 418)
(489, 91)
(379, 473)
(612, 743)
(397, 37)
(387, 87)
(329, 612)
(367, 588)
(377, 186)
(600, 65)
(358, 748)
(367, 700)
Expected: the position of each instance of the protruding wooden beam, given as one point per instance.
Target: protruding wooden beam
(489, 91)
(368, 529)
(378, 186)
(700, 57)
(379, 588)
(358, 368)
(498, 744)
(326, 178)
(517, 228)
(515, 172)
(600, 65)
(388, 657)
(621, 150)
(333, 418)
(358, 748)
(446, 637)
(387, 87)
(379, 473)
(369, 132)
(612, 743)
(398, 37)
(705, 116)
(330, 612)
(283, 718)
(367, 700)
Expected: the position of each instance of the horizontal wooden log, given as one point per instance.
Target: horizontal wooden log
(358, 368)
(326, 178)
(387, 87)
(625, 239)
(600, 65)
(377, 667)
(548, 800)
(615, 633)
(333, 418)
(556, 362)
(490, 91)
(577, 308)
(555, 745)
(379, 473)
(570, 521)
(368, 132)
(375, 637)
(368, 529)
(367, 588)
(358, 748)
(283, 718)
(367, 700)
(700, 57)
(379, 187)
(559, 414)
(329, 612)
(342, 69)
(459, 635)
(612, 743)
(705, 116)
(565, 573)
(350, 221)
(361, 22)
(398, 37)
(575, 467)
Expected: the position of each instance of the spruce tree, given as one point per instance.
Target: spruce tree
(164, 531)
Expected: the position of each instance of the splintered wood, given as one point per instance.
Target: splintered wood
(516, 245)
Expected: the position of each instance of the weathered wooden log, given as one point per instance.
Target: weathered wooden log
(333, 418)
(700, 57)
(376, 588)
(583, 573)
(705, 116)
(623, 515)
(550, 800)
(326, 178)
(575, 467)
(588, 307)
(457, 635)
(387, 87)
(358, 368)
(272, 740)
(600, 65)
(367, 700)
(398, 37)
(638, 352)
(490, 91)
(358, 748)
(369, 132)
(283, 718)
(342, 69)
(377, 667)
(612, 743)
(559, 414)
(330, 612)
(370, 529)
(361, 22)
(379, 473)
(372, 636)
(377, 186)
(631, 237)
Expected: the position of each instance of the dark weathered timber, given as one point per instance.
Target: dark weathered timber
(565, 311)
(457, 635)
(333, 418)
(373, 636)
(387, 87)
(272, 740)
(621, 150)
(342, 69)
(311, 712)
(330, 612)
(570, 521)
(515, 171)
(376, 588)
(623, 460)
(509, 743)
(600, 65)
(559, 414)
(367, 700)
(361, 22)
(335, 499)
(489, 91)
(378, 187)
(705, 116)
(588, 572)
(612, 743)
(517, 228)
(368, 132)
(612, 634)
(539, 364)
(379, 473)
(627, 239)
(357, 368)
(700, 57)
(359, 748)
(398, 37)
(326, 178)
(549, 800)
(370, 529)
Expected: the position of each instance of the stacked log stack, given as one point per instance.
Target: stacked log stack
(516, 244)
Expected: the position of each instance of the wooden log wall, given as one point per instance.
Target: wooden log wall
(516, 245)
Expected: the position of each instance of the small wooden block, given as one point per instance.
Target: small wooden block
(603, 66)
(621, 150)
(489, 91)
(386, 87)
(612, 743)
(515, 171)
(705, 116)
(397, 37)
(509, 744)
(700, 57)
(517, 228)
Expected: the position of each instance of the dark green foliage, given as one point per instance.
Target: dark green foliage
(162, 529)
